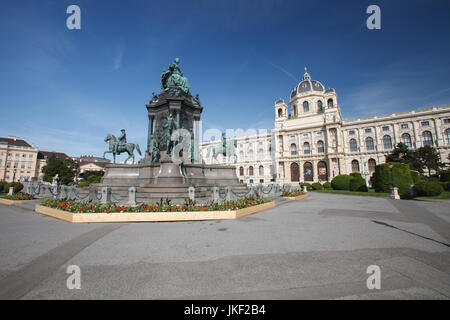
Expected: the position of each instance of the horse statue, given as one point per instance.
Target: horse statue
(128, 147)
(225, 149)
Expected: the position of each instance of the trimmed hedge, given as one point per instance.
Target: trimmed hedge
(445, 175)
(382, 179)
(308, 186)
(356, 175)
(317, 186)
(415, 176)
(358, 184)
(327, 185)
(341, 182)
(428, 188)
(445, 185)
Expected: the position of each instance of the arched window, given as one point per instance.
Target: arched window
(261, 170)
(306, 148)
(293, 149)
(371, 164)
(330, 103)
(305, 106)
(241, 155)
(308, 171)
(387, 142)
(319, 106)
(241, 171)
(320, 147)
(355, 166)
(294, 108)
(369, 144)
(353, 145)
(250, 154)
(406, 140)
(447, 136)
(280, 113)
(427, 138)
(250, 171)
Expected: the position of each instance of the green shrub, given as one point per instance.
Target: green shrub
(445, 185)
(341, 182)
(317, 186)
(83, 184)
(402, 179)
(428, 188)
(16, 185)
(327, 185)
(415, 176)
(308, 186)
(358, 184)
(445, 175)
(3, 186)
(355, 175)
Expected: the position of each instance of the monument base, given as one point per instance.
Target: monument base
(169, 180)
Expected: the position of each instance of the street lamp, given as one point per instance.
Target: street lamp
(394, 190)
(392, 177)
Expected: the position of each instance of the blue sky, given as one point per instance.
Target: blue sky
(65, 90)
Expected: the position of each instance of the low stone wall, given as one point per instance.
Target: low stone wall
(151, 216)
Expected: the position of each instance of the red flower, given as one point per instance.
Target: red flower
(107, 210)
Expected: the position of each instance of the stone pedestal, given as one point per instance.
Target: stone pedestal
(394, 193)
(170, 173)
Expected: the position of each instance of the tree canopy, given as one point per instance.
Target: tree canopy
(422, 158)
(66, 170)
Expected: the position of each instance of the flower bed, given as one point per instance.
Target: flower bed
(161, 206)
(19, 196)
(16, 198)
(292, 194)
(81, 212)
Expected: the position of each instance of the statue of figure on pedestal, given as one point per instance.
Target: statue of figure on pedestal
(173, 79)
(153, 150)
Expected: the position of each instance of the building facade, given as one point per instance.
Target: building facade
(311, 142)
(17, 159)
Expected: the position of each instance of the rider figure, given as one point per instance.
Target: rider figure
(122, 141)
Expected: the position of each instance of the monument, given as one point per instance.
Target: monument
(171, 163)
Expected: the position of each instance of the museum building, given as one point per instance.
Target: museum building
(311, 142)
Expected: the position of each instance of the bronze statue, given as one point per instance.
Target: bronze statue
(120, 146)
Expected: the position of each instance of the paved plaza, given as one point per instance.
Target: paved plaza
(317, 248)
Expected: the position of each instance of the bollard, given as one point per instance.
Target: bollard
(132, 196)
(191, 191)
(305, 190)
(215, 194)
(106, 195)
(228, 194)
(394, 193)
(10, 191)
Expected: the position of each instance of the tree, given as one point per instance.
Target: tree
(66, 170)
(401, 153)
(430, 158)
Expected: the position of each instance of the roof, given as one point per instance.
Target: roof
(13, 141)
(49, 154)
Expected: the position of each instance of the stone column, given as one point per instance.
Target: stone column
(196, 139)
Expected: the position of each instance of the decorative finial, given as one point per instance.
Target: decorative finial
(306, 70)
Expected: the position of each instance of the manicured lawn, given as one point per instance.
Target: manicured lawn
(371, 193)
(443, 195)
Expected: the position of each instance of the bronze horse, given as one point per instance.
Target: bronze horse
(129, 148)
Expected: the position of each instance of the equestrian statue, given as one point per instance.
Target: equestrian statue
(118, 146)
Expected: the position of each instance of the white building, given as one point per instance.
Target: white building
(311, 142)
